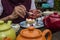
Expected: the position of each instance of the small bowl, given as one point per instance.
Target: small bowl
(16, 27)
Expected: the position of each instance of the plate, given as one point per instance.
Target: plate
(36, 25)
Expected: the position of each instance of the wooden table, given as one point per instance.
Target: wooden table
(56, 36)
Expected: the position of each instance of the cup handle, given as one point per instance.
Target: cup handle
(47, 31)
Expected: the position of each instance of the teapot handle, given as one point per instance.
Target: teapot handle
(6, 38)
(47, 31)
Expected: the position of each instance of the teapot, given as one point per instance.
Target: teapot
(52, 21)
(6, 32)
(34, 34)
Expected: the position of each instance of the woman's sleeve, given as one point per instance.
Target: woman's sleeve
(33, 5)
(1, 8)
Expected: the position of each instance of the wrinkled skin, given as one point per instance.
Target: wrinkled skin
(18, 11)
(21, 11)
(34, 13)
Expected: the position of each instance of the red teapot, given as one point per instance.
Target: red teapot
(52, 21)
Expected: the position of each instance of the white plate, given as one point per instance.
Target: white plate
(24, 24)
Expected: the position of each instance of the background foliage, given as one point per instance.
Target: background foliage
(57, 5)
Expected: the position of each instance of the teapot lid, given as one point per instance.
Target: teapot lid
(4, 26)
(31, 32)
(55, 15)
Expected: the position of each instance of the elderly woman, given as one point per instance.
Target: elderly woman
(16, 10)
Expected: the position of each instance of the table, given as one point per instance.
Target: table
(56, 36)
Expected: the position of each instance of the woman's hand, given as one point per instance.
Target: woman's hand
(20, 11)
(35, 13)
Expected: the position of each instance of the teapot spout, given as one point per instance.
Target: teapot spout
(9, 22)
